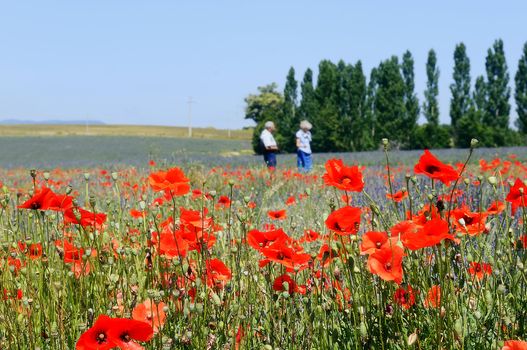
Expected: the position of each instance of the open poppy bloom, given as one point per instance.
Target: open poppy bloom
(432, 233)
(172, 181)
(343, 177)
(85, 218)
(468, 222)
(387, 263)
(514, 345)
(109, 333)
(286, 283)
(517, 195)
(405, 297)
(374, 240)
(150, 313)
(262, 239)
(479, 270)
(344, 221)
(218, 274)
(397, 196)
(435, 169)
(287, 256)
(277, 214)
(43, 199)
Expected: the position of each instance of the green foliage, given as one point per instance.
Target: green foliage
(389, 108)
(461, 101)
(289, 122)
(349, 113)
(432, 136)
(431, 106)
(268, 105)
(520, 93)
(498, 93)
(411, 102)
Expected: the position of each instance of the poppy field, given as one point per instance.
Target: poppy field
(423, 254)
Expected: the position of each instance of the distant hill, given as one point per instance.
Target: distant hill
(50, 122)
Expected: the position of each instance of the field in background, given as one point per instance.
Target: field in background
(121, 130)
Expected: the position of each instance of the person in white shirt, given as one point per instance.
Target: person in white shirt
(303, 144)
(270, 148)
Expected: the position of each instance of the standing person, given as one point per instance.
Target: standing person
(303, 140)
(269, 144)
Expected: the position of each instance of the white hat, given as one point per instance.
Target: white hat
(304, 124)
(269, 124)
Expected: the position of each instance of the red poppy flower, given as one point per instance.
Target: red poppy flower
(290, 258)
(218, 274)
(433, 297)
(290, 201)
(224, 201)
(397, 196)
(172, 181)
(43, 199)
(517, 195)
(387, 263)
(277, 214)
(468, 222)
(514, 345)
(259, 240)
(405, 297)
(374, 240)
(432, 233)
(85, 218)
(435, 169)
(480, 270)
(150, 313)
(97, 336)
(496, 208)
(344, 221)
(343, 177)
(279, 284)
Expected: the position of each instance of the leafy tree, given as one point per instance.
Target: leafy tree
(470, 125)
(498, 94)
(308, 106)
(520, 93)
(360, 136)
(289, 122)
(326, 121)
(461, 101)
(411, 102)
(389, 109)
(370, 118)
(430, 106)
(264, 106)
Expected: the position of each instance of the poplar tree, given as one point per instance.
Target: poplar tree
(411, 102)
(520, 93)
(461, 101)
(325, 122)
(289, 122)
(498, 94)
(389, 108)
(431, 106)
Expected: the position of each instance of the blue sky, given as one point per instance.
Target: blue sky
(138, 62)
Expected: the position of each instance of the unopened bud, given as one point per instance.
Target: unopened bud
(473, 143)
(86, 176)
(492, 180)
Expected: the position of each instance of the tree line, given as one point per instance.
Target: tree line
(352, 113)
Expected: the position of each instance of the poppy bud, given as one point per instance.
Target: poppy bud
(86, 176)
(33, 173)
(473, 143)
(466, 181)
(492, 180)
(92, 201)
(412, 338)
(385, 142)
(115, 175)
(231, 182)
(46, 175)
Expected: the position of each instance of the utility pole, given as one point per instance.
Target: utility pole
(190, 102)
